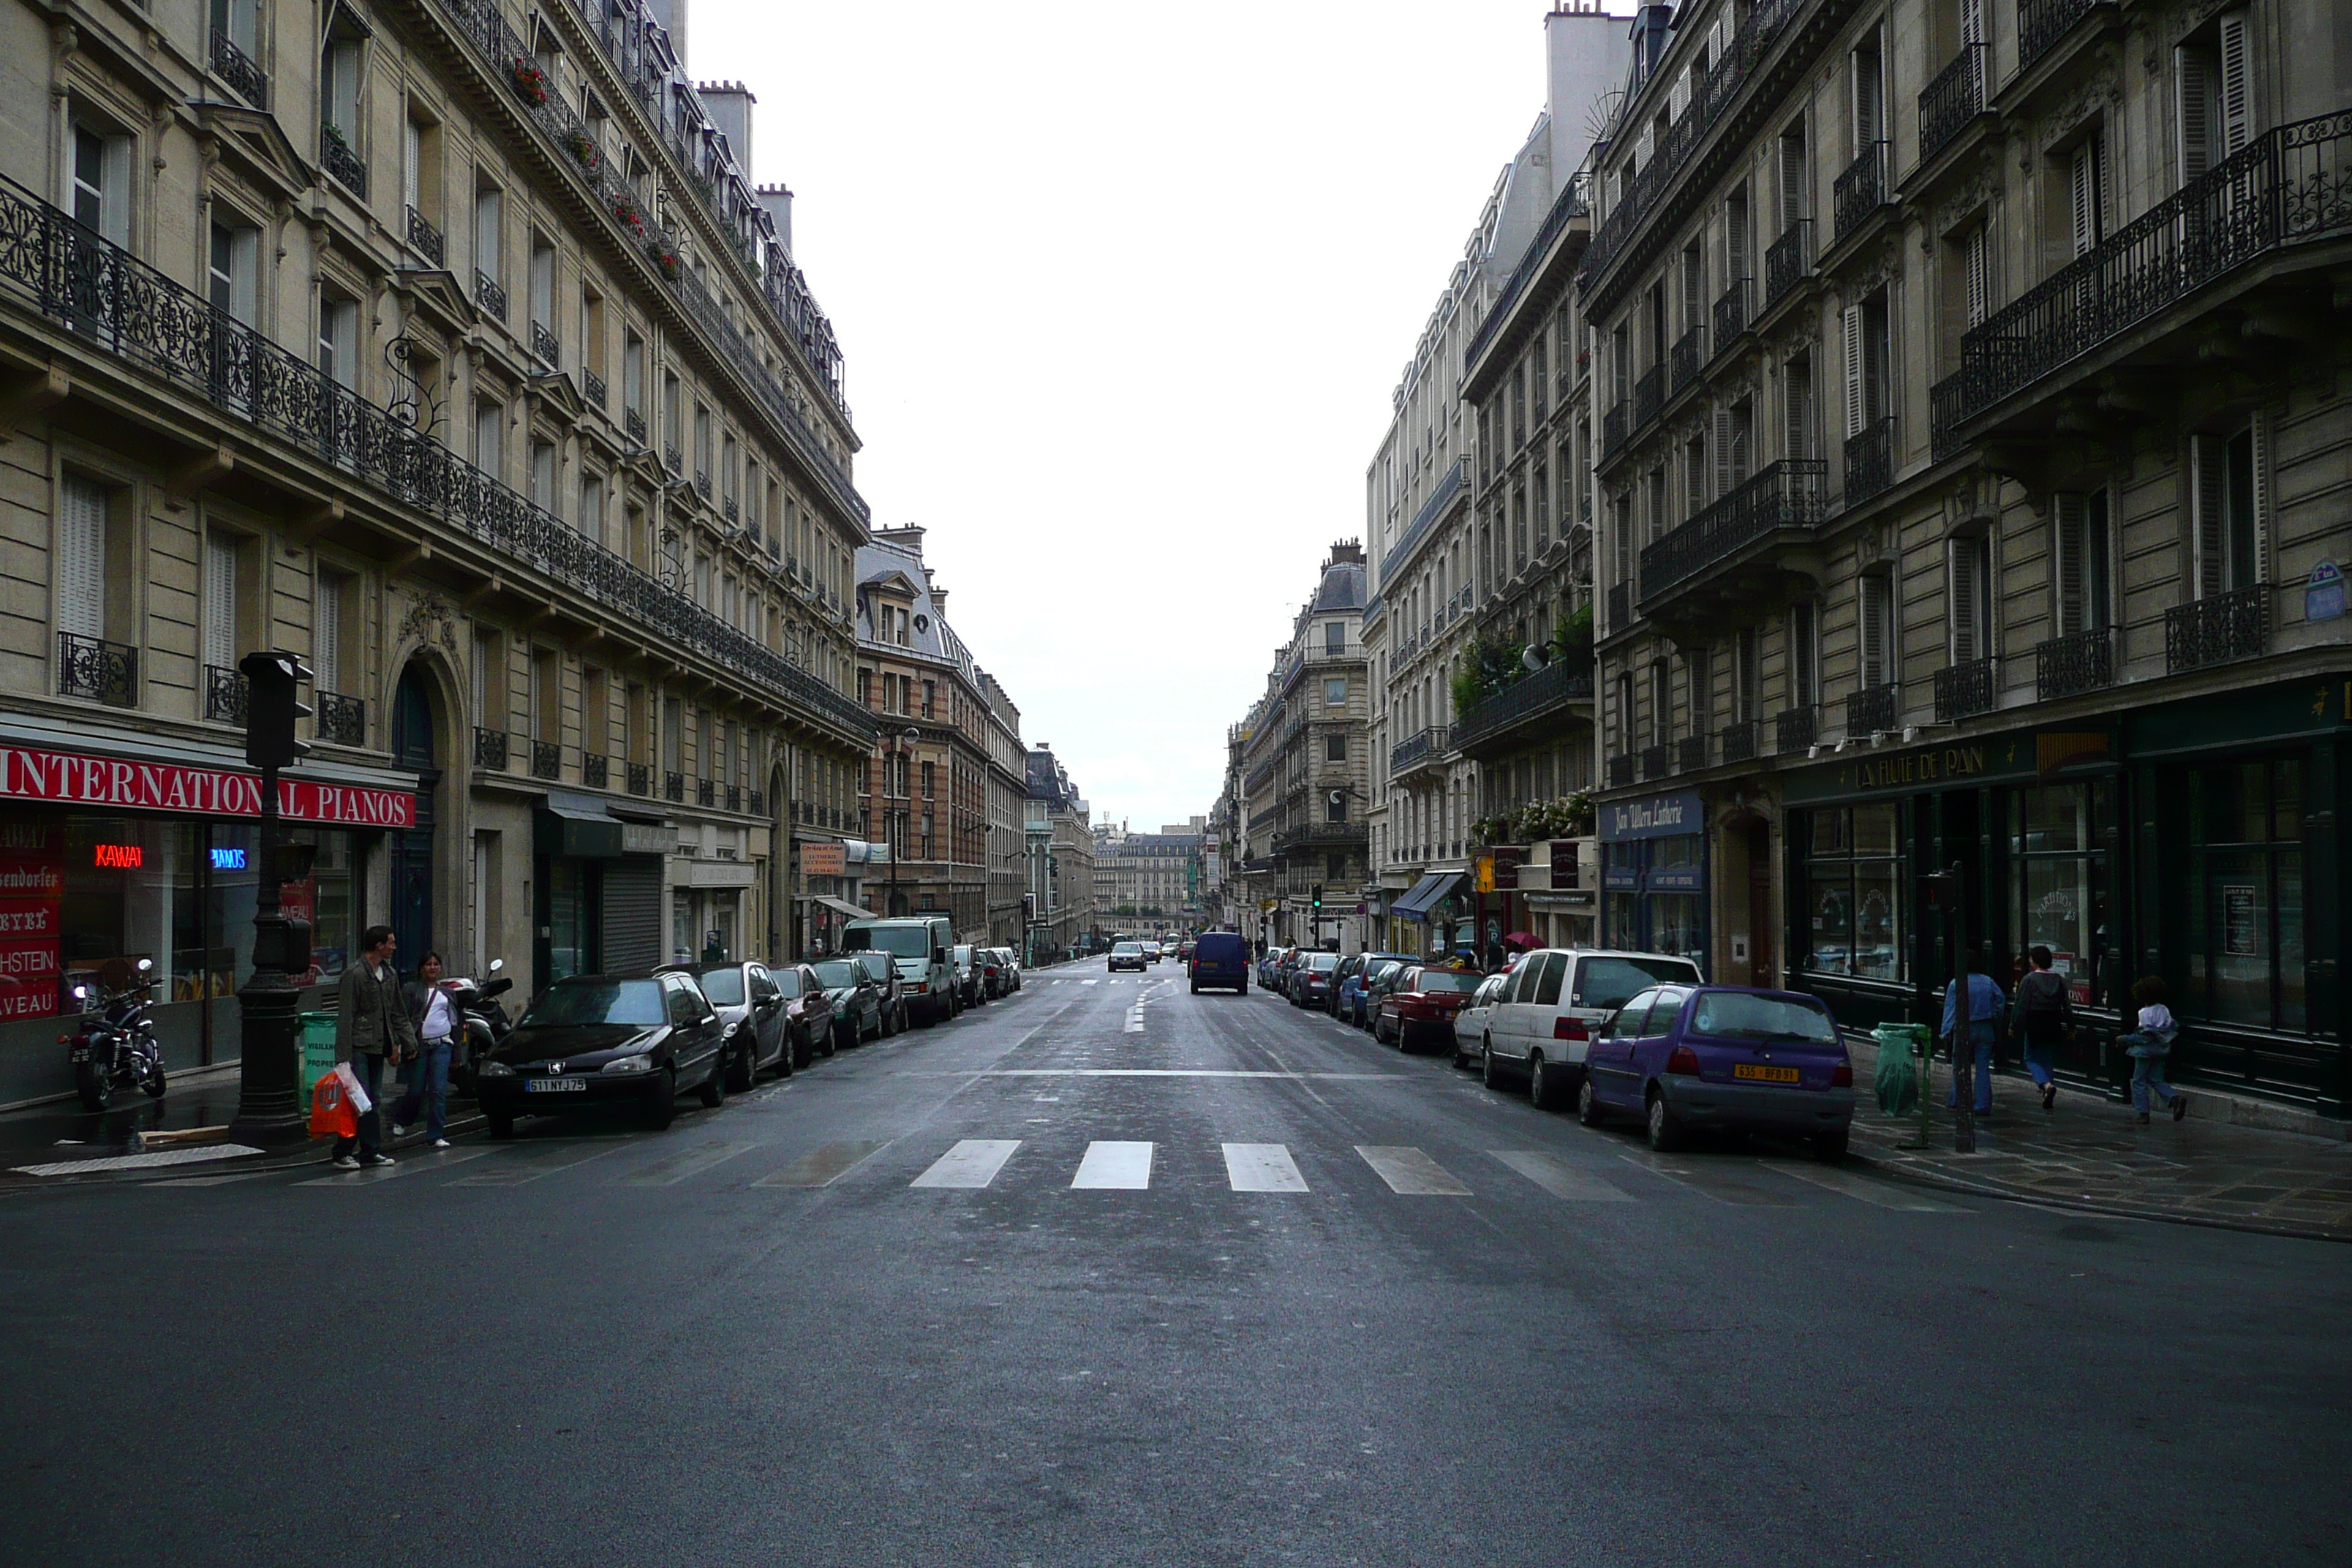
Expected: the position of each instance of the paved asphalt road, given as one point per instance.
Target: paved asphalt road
(1468, 1332)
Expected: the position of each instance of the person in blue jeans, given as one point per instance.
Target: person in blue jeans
(1986, 1004)
(434, 1013)
(2148, 1047)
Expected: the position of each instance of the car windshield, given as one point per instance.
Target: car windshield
(1742, 1015)
(963, 953)
(788, 981)
(637, 1001)
(838, 975)
(1125, 950)
(877, 965)
(1448, 983)
(723, 986)
(1321, 962)
(899, 941)
(1613, 981)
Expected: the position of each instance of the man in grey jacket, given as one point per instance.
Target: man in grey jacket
(373, 1023)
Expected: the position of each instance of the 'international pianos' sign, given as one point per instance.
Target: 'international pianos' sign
(67, 778)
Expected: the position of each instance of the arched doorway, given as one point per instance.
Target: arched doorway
(413, 747)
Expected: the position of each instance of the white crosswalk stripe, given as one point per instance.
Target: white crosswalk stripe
(1561, 1179)
(1109, 1165)
(1412, 1174)
(1261, 1168)
(970, 1163)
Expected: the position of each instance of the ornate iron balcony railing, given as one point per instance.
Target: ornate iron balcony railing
(702, 484)
(2293, 183)
(1432, 742)
(1649, 394)
(1952, 99)
(1573, 202)
(1449, 486)
(1870, 461)
(1690, 753)
(236, 68)
(2041, 23)
(1730, 314)
(101, 292)
(595, 771)
(1616, 425)
(1620, 605)
(1860, 191)
(227, 694)
(1739, 742)
(340, 161)
(674, 461)
(634, 422)
(674, 787)
(491, 748)
(1785, 494)
(1620, 771)
(425, 238)
(758, 803)
(99, 670)
(342, 721)
(1966, 690)
(546, 760)
(641, 778)
(2071, 664)
(2216, 629)
(1788, 260)
(1565, 679)
(1657, 762)
(1683, 359)
(544, 346)
(734, 797)
(705, 793)
(1874, 710)
(1795, 730)
(591, 387)
(491, 295)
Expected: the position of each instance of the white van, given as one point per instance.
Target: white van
(920, 945)
(1558, 1000)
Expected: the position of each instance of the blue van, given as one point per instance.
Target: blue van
(1220, 958)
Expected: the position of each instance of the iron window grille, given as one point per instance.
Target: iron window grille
(491, 748)
(2070, 666)
(226, 694)
(1964, 689)
(342, 721)
(99, 670)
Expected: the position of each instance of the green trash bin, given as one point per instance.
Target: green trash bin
(1897, 1079)
(318, 1051)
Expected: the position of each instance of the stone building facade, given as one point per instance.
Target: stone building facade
(1061, 860)
(453, 351)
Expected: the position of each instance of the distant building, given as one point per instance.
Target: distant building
(1148, 882)
(1060, 854)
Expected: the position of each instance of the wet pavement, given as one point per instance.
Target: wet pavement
(65, 1131)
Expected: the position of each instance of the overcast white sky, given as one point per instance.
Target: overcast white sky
(1124, 290)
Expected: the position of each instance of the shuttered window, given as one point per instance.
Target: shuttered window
(1797, 408)
(1972, 22)
(1796, 201)
(1976, 283)
(81, 557)
(2081, 548)
(1804, 654)
(412, 163)
(2195, 73)
(2236, 95)
(2087, 184)
(218, 611)
(1856, 415)
(1876, 629)
(1971, 562)
(327, 635)
(2228, 499)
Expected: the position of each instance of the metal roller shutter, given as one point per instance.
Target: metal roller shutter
(633, 912)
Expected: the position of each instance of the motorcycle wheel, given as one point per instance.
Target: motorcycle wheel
(154, 1082)
(90, 1082)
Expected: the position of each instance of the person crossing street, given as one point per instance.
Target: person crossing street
(434, 1013)
(372, 1024)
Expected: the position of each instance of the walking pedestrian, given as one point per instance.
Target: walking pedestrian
(434, 1015)
(2043, 1010)
(373, 1024)
(2147, 1047)
(1985, 1005)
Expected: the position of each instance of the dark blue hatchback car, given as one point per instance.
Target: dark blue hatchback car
(1220, 958)
(1688, 1059)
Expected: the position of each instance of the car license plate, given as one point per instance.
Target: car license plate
(555, 1085)
(1765, 1074)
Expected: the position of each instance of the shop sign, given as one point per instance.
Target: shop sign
(32, 889)
(1923, 767)
(1660, 817)
(2240, 927)
(67, 778)
(1498, 869)
(1677, 880)
(2323, 593)
(824, 860)
(646, 837)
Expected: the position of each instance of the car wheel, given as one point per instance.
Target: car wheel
(744, 1070)
(784, 1056)
(1486, 1074)
(713, 1092)
(798, 1048)
(1828, 1147)
(1587, 1104)
(1666, 1128)
(500, 1122)
(832, 1038)
(660, 1108)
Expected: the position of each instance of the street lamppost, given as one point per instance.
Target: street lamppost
(894, 818)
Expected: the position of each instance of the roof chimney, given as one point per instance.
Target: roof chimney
(777, 201)
(1347, 552)
(728, 104)
(670, 15)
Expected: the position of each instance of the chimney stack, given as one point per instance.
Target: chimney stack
(670, 17)
(728, 104)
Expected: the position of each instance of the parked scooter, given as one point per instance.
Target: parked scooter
(485, 1021)
(114, 1047)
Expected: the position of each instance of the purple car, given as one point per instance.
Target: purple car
(1688, 1059)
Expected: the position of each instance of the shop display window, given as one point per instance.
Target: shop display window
(328, 899)
(2245, 889)
(1858, 891)
(2058, 835)
(130, 891)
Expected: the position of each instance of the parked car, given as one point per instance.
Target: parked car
(1184, 951)
(1220, 958)
(1379, 979)
(807, 1011)
(856, 1001)
(1127, 956)
(1012, 968)
(1347, 980)
(1559, 998)
(993, 980)
(918, 945)
(1723, 1057)
(885, 973)
(1310, 983)
(595, 1039)
(1292, 957)
(1470, 1023)
(1267, 961)
(970, 985)
(1421, 1004)
(752, 1007)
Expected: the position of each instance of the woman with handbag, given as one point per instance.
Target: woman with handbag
(2043, 1011)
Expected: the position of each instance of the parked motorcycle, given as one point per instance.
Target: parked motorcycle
(114, 1047)
(483, 1018)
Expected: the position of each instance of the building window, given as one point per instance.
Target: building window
(101, 182)
(543, 475)
(1804, 654)
(1855, 891)
(2246, 954)
(1335, 691)
(234, 273)
(2059, 835)
(1662, 703)
(1335, 636)
(81, 557)
(2216, 108)
(1880, 656)
(2227, 480)
(1335, 747)
(1969, 565)
(338, 340)
(490, 438)
(216, 611)
(2083, 541)
(1865, 365)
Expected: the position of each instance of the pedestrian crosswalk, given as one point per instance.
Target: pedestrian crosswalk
(1033, 1164)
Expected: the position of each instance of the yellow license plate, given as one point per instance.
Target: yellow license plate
(1764, 1074)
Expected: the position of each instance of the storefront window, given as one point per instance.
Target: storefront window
(329, 898)
(2058, 835)
(129, 893)
(2246, 858)
(1856, 888)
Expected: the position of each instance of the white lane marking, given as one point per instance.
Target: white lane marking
(1124, 1166)
(1411, 1172)
(515, 1172)
(1862, 1187)
(973, 1162)
(1089, 981)
(672, 1169)
(1261, 1168)
(406, 1165)
(1557, 1177)
(153, 1160)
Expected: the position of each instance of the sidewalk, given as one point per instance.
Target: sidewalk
(2087, 1152)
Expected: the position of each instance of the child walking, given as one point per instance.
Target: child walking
(2148, 1047)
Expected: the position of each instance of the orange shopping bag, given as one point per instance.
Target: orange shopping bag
(331, 1115)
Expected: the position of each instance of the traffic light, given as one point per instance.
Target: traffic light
(271, 708)
(1317, 901)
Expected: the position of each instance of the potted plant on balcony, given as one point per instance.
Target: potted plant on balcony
(666, 261)
(529, 81)
(583, 148)
(333, 134)
(631, 215)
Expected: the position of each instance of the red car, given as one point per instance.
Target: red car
(1422, 1005)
